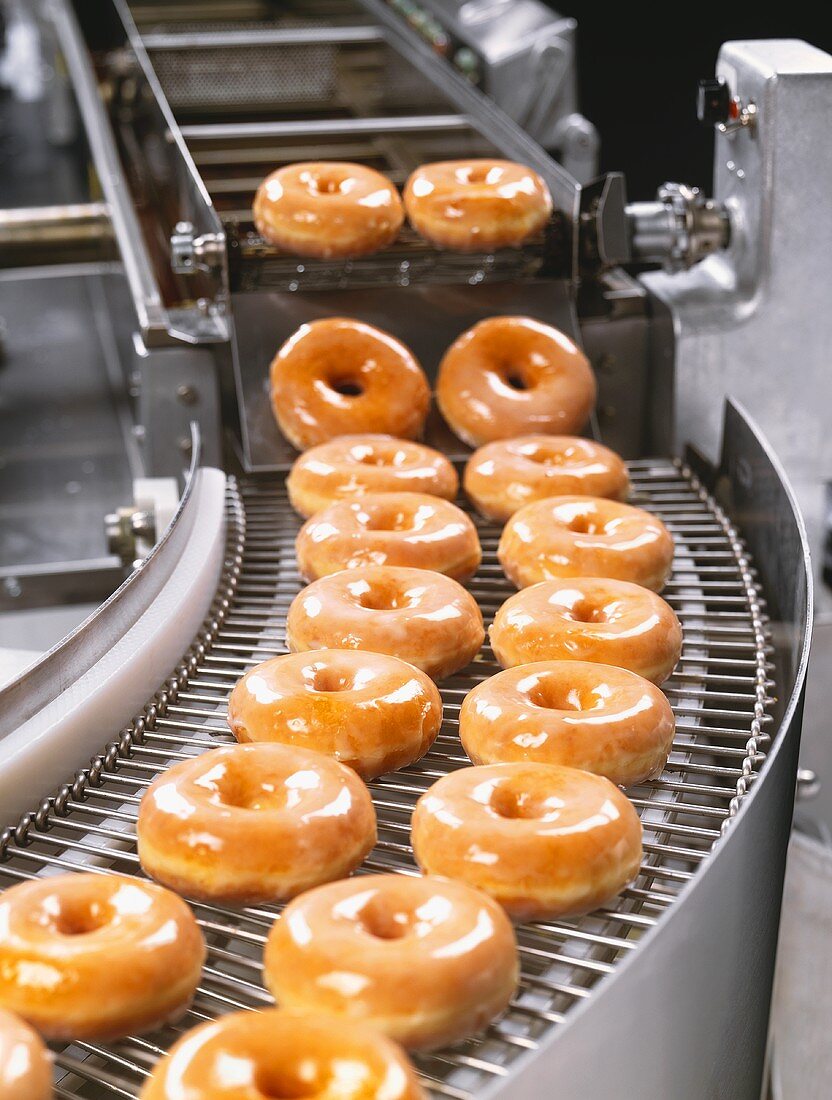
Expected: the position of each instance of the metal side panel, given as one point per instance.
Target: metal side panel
(56, 714)
(687, 1015)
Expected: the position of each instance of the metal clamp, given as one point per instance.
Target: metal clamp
(189, 253)
(680, 228)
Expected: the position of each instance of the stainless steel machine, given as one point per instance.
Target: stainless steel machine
(186, 108)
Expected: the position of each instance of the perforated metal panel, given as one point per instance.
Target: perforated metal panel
(721, 693)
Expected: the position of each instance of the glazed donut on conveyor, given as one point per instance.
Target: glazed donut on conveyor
(328, 209)
(595, 717)
(25, 1063)
(425, 618)
(425, 960)
(510, 376)
(503, 476)
(543, 840)
(352, 466)
(372, 712)
(122, 955)
(575, 536)
(411, 530)
(476, 205)
(589, 619)
(339, 376)
(279, 1053)
(246, 824)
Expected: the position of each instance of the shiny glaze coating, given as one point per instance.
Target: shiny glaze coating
(585, 537)
(476, 205)
(338, 376)
(92, 956)
(254, 823)
(589, 619)
(425, 960)
(602, 719)
(278, 1053)
(352, 466)
(425, 618)
(25, 1064)
(510, 376)
(412, 530)
(328, 209)
(373, 712)
(543, 840)
(503, 476)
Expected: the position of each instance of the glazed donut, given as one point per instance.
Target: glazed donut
(510, 376)
(426, 619)
(476, 205)
(371, 711)
(117, 955)
(338, 377)
(543, 840)
(426, 961)
(328, 209)
(585, 537)
(25, 1064)
(503, 476)
(279, 1053)
(355, 465)
(246, 824)
(602, 719)
(589, 619)
(412, 530)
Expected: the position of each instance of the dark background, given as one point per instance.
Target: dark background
(638, 70)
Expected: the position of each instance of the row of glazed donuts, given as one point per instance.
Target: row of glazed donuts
(501, 378)
(275, 820)
(333, 209)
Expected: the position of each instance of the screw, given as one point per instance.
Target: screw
(185, 446)
(186, 394)
(12, 587)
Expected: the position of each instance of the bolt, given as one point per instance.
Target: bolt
(12, 587)
(186, 394)
(185, 446)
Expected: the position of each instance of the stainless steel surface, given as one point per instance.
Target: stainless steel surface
(147, 300)
(426, 316)
(722, 693)
(265, 36)
(323, 127)
(679, 229)
(81, 649)
(524, 56)
(67, 453)
(39, 235)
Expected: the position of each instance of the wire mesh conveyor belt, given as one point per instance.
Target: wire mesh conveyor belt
(721, 694)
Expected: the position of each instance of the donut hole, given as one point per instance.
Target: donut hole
(392, 519)
(385, 921)
(545, 457)
(238, 787)
(82, 916)
(323, 183)
(285, 1083)
(556, 695)
(516, 381)
(326, 679)
(347, 387)
(513, 803)
(385, 598)
(584, 523)
(480, 173)
(584, 611)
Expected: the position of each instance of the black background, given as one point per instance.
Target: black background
(638, 70)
